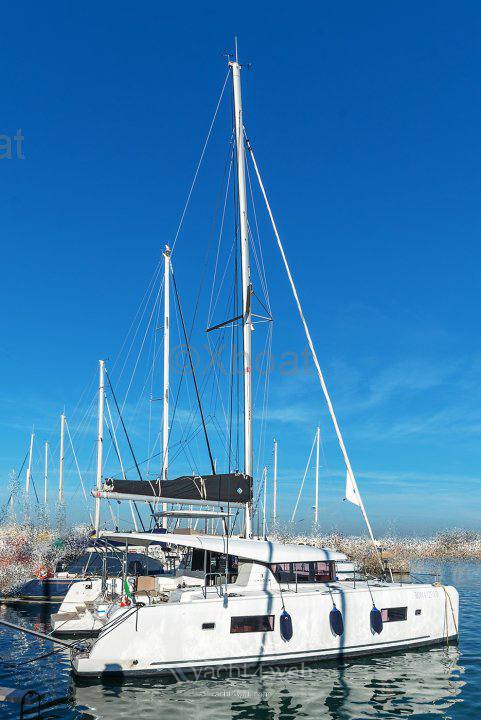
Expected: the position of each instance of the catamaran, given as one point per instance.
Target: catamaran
(285, 603)
(285, 606)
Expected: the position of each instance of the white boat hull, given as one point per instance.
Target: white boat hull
(168, 639)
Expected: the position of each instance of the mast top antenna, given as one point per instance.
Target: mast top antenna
(236, 52)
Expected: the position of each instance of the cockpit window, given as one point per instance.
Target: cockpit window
(304, 572)
(138, 564)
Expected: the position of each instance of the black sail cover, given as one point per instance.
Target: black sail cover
(229, 487)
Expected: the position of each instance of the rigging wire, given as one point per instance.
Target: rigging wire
(304, 478)
(141, 346)
(221, 231)
(260, 264)
(121, 419)
(313, 352)
(78, 470)
(181, 222)
(227, 170)
(17, 478)
(193, 374)
(113, 437)
(188, 422)
(144, 303)
(151, 368)
(128, 440)
(265, 399)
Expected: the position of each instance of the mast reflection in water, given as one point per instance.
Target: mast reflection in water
(413, 684)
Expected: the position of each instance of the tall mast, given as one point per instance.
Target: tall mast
(100, 443)
(165, 417)
(62, 452)
(45, 476)
(246, 280)
(274, 493)
(264, 509)
(316, 506)
(29, 468)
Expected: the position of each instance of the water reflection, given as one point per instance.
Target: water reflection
(415, 683)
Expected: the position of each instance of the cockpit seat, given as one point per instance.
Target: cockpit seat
(146, 585)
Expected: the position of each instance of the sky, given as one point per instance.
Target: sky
(365, 123)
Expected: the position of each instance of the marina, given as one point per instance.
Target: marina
(243, 473)
(239, 618)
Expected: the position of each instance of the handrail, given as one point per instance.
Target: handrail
(428, 574)
(218, 587)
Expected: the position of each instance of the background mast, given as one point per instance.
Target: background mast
(29, 468)
(45, 476)
(316, 506)
(274, 497)
(100, 443)
(62, 452)
(165, 418)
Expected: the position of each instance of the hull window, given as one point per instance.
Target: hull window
(252, 623)
(394, 614)
(208, 626)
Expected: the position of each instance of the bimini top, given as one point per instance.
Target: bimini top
(263, 551)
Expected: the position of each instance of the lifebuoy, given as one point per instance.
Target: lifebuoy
(43, 573)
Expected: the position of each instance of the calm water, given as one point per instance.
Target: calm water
(441, 682)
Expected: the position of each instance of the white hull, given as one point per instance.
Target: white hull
(215, 667)
(169, 639)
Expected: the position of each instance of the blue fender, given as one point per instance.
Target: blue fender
(286, 626)
(336, 621)
(376, 621)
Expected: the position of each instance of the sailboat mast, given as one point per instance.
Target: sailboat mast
(274, 500)
(62, 453)
(264, 508)
(316, 506)
(45, 476)
(29, 468)
(246, 280)
(100, 443)
(165, 417)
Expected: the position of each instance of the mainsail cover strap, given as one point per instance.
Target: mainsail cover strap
(228, 487)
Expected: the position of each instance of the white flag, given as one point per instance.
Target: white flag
(352, 493)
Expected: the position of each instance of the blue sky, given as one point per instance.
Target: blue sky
(365, 121)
